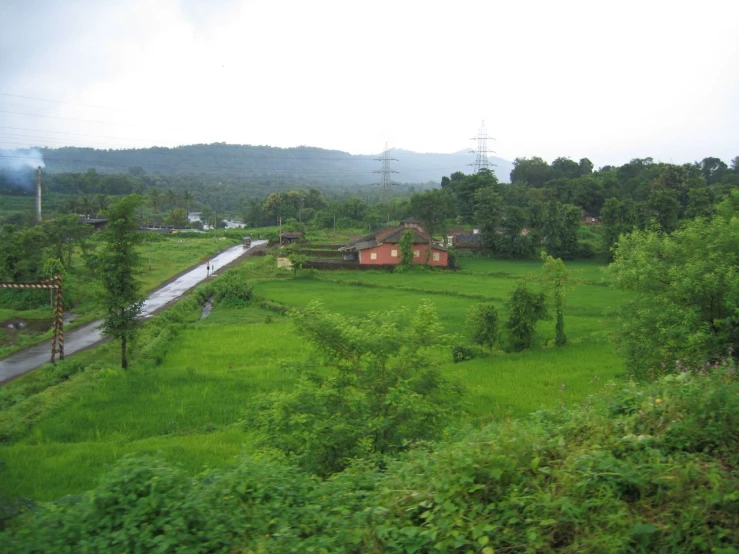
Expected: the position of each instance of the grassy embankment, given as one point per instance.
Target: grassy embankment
(162, 260)
(192, 401)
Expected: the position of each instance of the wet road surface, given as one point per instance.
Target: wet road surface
(90, 334)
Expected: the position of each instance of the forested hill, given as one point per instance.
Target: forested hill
(260, 162)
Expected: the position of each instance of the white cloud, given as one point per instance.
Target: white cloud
(609, 81)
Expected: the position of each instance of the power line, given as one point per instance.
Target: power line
(68, 103)
(95, 122)
(89, 135)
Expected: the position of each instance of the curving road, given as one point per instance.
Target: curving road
(83, 337)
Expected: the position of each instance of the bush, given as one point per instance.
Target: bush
(483, 320)
(525, 310)
(232, 290)
(462, 353)
(453, 259)
(386, 389)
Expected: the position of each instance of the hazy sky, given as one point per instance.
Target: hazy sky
(608, 80)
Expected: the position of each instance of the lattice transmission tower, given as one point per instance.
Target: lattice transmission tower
(481, 159)
(385, 180)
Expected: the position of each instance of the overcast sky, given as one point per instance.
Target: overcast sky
(606, 80)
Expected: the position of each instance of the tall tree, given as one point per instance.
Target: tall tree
(155, 200)
(686, 289)
(464, 189)
(118, 266)
(555, 281)
(712, 169)
(525, 310)
(187, 199)
(586, 167)
(172, 199)
(535, 171)
(565, 168)
(488, 206)
(431, 209)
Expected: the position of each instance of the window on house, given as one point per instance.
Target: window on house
(416, 253)
(394, 253)
(373, 255)
(436, 256)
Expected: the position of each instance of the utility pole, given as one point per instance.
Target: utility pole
(385, 180)
(481, 159)
(38, 195)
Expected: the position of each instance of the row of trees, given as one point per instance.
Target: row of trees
(25, 251)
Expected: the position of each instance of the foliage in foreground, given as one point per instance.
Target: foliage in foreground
(687, 292)
(385, 390)
(649, 469)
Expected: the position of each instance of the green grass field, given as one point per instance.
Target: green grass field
(194, 403)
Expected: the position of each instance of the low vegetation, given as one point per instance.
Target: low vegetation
(648, 470)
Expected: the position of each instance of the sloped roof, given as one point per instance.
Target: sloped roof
(391, 235)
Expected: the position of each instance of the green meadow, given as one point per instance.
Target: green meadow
(190, 397)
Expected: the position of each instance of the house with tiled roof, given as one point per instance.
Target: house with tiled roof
(383, 247)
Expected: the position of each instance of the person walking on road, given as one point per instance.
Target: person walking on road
(207, 269)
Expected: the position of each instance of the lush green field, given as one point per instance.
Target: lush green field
(193, 402)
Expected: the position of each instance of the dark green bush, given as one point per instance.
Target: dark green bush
(233, 290)
(461, 353)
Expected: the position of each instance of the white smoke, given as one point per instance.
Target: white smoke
(17, 166)
(20, 159)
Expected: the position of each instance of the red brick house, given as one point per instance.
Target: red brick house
(383, 247)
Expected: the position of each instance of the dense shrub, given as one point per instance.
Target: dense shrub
(525, 310)
(686, 291)
(232, 290)
(462, 353)
(482, 319)
(385, 390)
(648, 469)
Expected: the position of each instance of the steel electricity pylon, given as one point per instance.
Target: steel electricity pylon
(481, 159)
(385, 180)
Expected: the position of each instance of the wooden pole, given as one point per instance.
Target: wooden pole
(55, 283)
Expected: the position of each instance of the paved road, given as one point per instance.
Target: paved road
(90, 334)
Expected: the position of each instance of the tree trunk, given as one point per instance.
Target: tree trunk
(124, 358)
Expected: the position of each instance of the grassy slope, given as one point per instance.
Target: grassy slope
(191, 406)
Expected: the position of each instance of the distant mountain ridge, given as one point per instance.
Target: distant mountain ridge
(259, 162)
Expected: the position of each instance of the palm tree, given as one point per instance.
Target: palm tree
(102, 202)
(155, 199)
(187, 200)
(85, 205)
(72, 206)
(172, 199)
